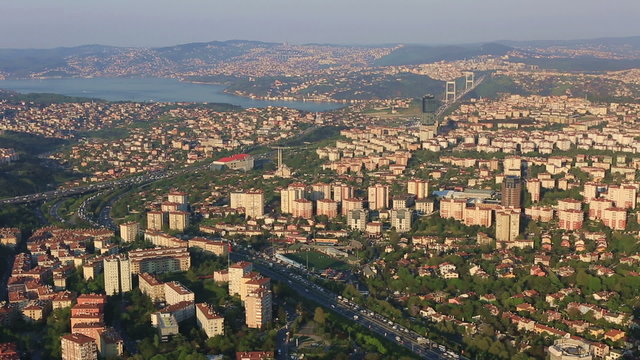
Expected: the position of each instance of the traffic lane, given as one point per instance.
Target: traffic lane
(325, 301)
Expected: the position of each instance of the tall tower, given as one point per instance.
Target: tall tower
(450, 92)
(117, 274)
(468, 80)
(428, 123)
(512, 191)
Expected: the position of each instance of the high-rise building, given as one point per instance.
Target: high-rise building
(597, 207)
(623, 196)
(570, 219)
(117, 274)
(401, 219)
(419, 188)
(237, 272)
(357, 219)
(258, 308)
(209, 320)
(513, 166)
(507, 225)
(78, 347)
(512, 191)
(378, 197)
(452, 208)
(175, 292)
(181, 198)
(159, 260)
(425, 206)
(252, 202)
(156, 220)
(252, 282)
(615, 218)
(129, 231)
(351, 204)
(289, 195)
(327, 207)
(178, 220)
(302, 208)
(428, 125)
(341, 192)
(569, 204)
(534, 187)
(320, 191)
(477, 215)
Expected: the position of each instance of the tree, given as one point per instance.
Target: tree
(319, 316)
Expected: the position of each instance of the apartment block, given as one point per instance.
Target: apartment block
(237, 272)
(178, 220)
(159, 260)
(129, 231)
(78, 347)
(378, 197)
(117, 274)
(401, 219)
(252, 202)
(209, 321)
(175, 292)
(258, 308)
(507, 225)
(327, 207)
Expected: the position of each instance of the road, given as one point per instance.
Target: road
(366, 318)
(113, 184)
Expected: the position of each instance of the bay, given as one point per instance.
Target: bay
(151, 89)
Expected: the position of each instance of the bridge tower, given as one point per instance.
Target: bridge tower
(469, 78)
(450, 92)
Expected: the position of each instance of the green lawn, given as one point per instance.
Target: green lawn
(318, 260)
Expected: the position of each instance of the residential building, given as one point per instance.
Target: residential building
(351, 204)
(159, 260)
(302, 208)
(357, 219)
(175, 292)
(117, 274)
(252, 202)
(615, 218)
(419, 188)
(156, 220)
(327, 207)
(237, 272)
(258, 308)
(378, 197)
(507, 225)
(178, 220)
(570, 219)
(289, 195)
(209, 321)
(401, 219)
(78, 347)
(512, 191)
(129, 231)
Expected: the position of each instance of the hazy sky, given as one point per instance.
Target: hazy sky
(52, 23)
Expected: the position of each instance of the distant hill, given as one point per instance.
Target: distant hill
(418, 54)
(630, 41)
(98, 60)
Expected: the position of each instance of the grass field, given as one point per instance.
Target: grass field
(318, 261)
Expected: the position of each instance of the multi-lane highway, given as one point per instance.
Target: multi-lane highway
(113, 184)
(368, 319)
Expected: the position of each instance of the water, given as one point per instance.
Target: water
(150, 89)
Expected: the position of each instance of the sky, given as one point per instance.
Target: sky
(146, 23)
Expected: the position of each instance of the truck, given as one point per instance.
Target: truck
(421, 340)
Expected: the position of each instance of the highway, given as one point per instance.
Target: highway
(113, 184)
(364, 317)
